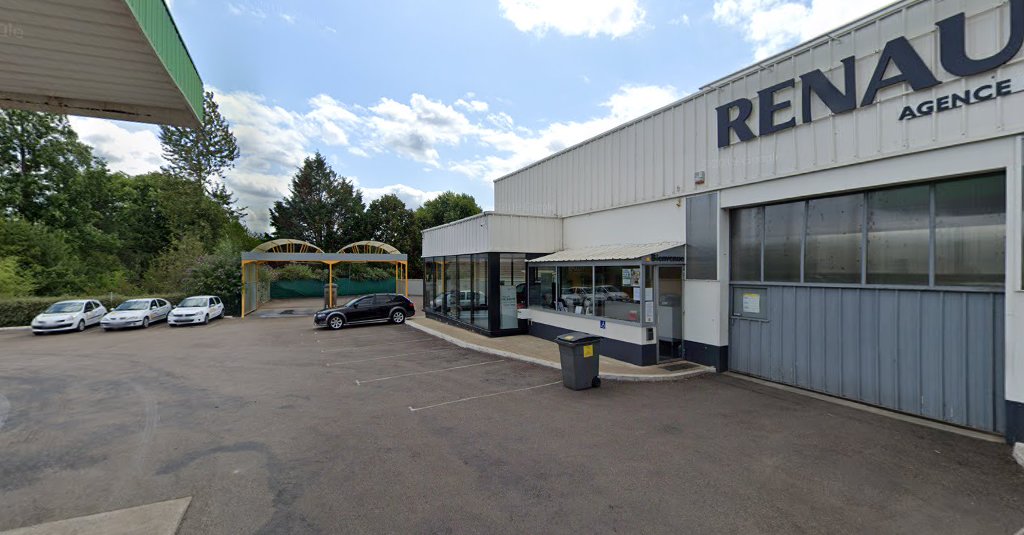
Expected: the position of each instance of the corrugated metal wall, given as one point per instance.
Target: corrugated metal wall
(936, 354)
(657, 156)
(490, 232)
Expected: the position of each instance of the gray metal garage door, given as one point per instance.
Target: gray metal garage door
(936, 354)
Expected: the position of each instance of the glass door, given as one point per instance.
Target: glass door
(668, 301)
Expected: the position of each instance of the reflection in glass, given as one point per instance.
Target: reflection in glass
(783, 228)
(970, 231)
(745, 231)
(575, 287)
(898, 222)
(834, 233)
(478, 296)
(542, 287)
(617, 292)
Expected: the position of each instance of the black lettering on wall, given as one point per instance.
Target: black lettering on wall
(767, 107)
(837, 101)
(912, 69)
(726, 124)
(953, 43)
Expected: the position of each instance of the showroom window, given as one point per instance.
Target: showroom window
(617, 292)
(948, 233)
(543, 287)
(575, 290)
(449, 303)
(702, 237)
(478, 297)
(512, 288)
(428, 284)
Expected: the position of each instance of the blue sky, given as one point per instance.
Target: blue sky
(417, 97)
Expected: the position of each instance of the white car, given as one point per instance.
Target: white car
(68, 316)
(196, 309)
(136, 313)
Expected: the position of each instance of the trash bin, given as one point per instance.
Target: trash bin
(580, 363)
(330, 294)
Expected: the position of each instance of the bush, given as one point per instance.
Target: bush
(298, 272)
(218, 274)
(17, 312)
(363, 272)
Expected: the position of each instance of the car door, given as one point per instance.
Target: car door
(381, 306)
(211, 306)
(360, 309)
(93, 312)
(163, 310)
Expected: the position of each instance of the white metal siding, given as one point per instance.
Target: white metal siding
(656, 157)
(489, 232)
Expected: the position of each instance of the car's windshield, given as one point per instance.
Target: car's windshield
(352, 301)
(58, 308)
(133, 305)
(193, 302)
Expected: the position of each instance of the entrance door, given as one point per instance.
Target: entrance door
(668, 300)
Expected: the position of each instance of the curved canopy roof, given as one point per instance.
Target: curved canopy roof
(369, 247)
(287, 246)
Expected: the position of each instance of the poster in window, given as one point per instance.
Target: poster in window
(627, 277)
(636, 277)
(751, 303)
(509, 320)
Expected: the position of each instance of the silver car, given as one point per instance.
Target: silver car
(136, 313)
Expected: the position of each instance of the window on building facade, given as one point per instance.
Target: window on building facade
(543, 287)
(448, 300)
(512, 286)
(970, 231)
(783, 229)
(702, 237)
(617, 292)
(428, 284)
(478, 296)
(898, 235)
(746, 229)
(834, 235)
(575, 287)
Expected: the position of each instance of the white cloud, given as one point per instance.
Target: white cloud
(774, 25)
(591, 18)
(133, 149)
(412, 197)
(472, 105)
(246, 8)
(681, 20)
(415, 130)
(517, 147)
(290, 19)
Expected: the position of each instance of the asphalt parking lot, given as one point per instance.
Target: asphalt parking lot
(273, 427)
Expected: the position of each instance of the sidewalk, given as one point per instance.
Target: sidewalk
(544, 353)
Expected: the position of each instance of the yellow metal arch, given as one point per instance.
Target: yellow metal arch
(369, 247)
(287, 246)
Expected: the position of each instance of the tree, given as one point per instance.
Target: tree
(321, 208)
(39, 156)
(389, 221)
(203, 155)
(445, 208)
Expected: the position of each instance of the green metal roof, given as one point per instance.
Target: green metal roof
(157, 24)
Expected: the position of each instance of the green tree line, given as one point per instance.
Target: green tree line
(71, 226)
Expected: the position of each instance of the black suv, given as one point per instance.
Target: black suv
(392, 308)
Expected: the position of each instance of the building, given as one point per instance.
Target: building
(844, 217)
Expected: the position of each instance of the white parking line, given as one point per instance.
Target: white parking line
(413, 354)
(358, 382)
(482, 396)
(352, 348)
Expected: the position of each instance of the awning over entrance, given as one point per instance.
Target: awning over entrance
(645, 251)
(117, 59)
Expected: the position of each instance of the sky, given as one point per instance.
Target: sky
(416, 98)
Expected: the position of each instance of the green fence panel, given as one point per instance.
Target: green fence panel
(351, 287)
(296, 288)
(314, 288)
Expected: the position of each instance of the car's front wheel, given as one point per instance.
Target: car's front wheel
(145, 323)
(206, 319)
(398, 316)
(81, 325)
(336, 322)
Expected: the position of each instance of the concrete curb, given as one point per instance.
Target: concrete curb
(21, 328)
(626, 377)
(1018, 454)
